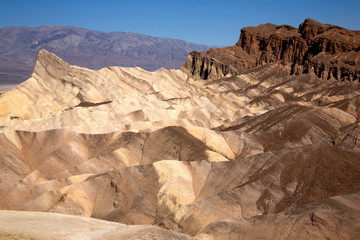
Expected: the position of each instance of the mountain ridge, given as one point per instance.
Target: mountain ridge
(86, 48)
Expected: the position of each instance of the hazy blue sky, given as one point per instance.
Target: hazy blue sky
(208, 22)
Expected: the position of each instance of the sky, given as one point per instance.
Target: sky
(215, 23)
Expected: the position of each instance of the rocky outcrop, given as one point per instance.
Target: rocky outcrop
(206, 67)
(327, 51)
(217, 62)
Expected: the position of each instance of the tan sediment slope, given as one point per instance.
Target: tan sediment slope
(39, 226)
(197, 157)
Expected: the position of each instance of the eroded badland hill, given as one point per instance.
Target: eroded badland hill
(270, 152)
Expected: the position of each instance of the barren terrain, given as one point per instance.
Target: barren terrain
(160, 155)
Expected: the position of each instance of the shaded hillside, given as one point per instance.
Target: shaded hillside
(86, 48)
(216, 159)
(326, 51)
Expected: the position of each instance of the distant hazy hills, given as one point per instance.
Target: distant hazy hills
(86, 48)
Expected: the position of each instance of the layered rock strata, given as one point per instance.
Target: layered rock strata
(327, 51)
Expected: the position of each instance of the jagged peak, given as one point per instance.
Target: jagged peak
(286, 27)
(311, 28)
(262, 29)
(48, 63)
(265, 30)
(44, 54)
(311, 21)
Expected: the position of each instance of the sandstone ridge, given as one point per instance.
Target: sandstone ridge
(327, 51)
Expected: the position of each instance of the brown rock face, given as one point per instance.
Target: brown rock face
(329, 52)
(217, 62)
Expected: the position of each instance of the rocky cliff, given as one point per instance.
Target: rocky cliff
(327, 51)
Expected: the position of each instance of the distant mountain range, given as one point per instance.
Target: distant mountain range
(87, 48)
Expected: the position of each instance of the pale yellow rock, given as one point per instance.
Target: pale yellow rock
(175, 183)
(41, 226)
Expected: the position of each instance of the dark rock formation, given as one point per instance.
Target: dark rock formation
(217, 62)
(324, 50)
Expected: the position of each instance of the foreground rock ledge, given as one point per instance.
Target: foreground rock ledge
(40, 226)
